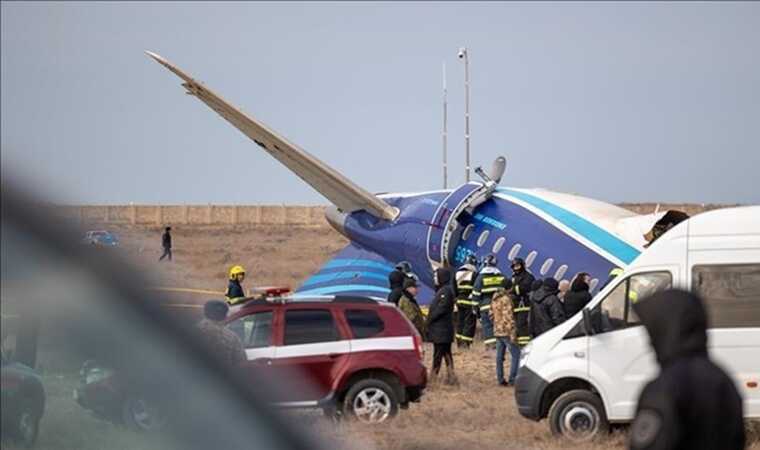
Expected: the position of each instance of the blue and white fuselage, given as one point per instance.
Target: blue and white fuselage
(551, 231)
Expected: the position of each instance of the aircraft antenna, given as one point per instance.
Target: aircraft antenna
(445, 131)
(464, 54)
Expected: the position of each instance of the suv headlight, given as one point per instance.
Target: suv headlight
(525, 353)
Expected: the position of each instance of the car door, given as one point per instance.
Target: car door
(621, 360)
(255, 331)
(312, 350)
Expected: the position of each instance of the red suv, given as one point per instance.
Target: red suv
(347, 355)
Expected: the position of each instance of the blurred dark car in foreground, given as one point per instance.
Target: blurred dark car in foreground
(23, 402)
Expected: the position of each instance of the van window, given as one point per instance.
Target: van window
(731, 293)
(255, 331)
(305, 326)
(615, 310)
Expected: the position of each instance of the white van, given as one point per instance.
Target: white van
(588, 372)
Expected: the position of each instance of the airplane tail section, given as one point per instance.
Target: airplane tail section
(355, 271)
(338, 189)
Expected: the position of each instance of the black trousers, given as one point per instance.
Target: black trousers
(442, 352)
(167, 252)
(466, 321)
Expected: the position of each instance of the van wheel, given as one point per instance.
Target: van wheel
(578, 415)
(371, 401)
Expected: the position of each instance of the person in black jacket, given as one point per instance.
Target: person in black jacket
(546, 310)
(692, 404)
(166, 243)
(440, 324)
(396, 282)
(578, 296)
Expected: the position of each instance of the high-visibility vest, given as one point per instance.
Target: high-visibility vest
(491, 283)
(522, 313)
(464, 289)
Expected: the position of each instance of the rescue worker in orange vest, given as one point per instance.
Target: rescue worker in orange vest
(235, 292)
(466, 317)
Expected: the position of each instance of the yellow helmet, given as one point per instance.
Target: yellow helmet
(235, 270)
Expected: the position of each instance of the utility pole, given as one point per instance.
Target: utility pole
(445, 132)
(463, 54)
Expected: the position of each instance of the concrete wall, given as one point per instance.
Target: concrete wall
(159, 215)
(153, 215)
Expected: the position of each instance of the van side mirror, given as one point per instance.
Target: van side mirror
(588, 329)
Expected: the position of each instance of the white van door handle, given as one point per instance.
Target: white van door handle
(579, 354)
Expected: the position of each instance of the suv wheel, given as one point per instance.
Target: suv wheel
(578, 415)
(142, 415)
(371, 401)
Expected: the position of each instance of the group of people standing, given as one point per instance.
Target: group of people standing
(511, 309)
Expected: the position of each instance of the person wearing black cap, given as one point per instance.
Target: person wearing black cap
(692, 404)
(166, 243)
(223, 342)
(546, 310)
(409, 306)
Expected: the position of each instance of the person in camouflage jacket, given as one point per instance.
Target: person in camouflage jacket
(408, 305)
(505, 331)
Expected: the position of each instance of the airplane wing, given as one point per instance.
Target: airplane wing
(338, 189)
(355, 271)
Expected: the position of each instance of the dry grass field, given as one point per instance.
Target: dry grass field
(475, 414)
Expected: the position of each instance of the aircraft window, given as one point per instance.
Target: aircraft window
(560, 272)
(593, 284)
(467, 232)
(514, 251)
(546, 266)
(531, 257)
(499, 244)
(483, 238)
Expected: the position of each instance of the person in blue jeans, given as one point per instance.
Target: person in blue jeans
(505, 331)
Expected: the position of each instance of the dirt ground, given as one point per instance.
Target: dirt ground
(476, 414)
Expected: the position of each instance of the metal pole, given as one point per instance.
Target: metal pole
(466, 112)
(445, 132)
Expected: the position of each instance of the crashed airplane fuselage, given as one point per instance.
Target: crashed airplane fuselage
(557, 234)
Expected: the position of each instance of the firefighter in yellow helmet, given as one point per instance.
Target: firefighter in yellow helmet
(235, 292)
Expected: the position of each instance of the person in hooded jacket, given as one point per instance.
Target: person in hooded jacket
(546, 310)
(579, 294)
(409, 306)
(440, 324)
(692, 404)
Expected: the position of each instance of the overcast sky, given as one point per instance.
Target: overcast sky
(620, 102)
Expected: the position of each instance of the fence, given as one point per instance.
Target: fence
(195, 215)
